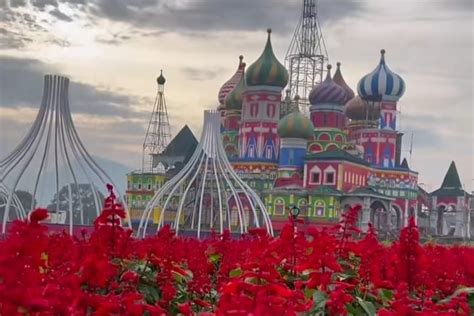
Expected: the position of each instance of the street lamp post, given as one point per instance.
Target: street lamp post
(294, 212)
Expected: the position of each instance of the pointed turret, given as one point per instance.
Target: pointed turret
(404, 164)
(451, 185)
(451, 179)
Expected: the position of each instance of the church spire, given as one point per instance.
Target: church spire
(451, 179)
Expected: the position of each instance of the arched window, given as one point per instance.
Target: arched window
(254, 109)
(315, 148)
(324, 137)
(269, 152)
(271, 110)
(331, 147)
(338, 138)
(279, 206)
(303, 206)
(319, 208)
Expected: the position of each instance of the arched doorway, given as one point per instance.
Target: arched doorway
(396, 217)
(379, 216)
(440, 220)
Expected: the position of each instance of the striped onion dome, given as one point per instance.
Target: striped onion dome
(232, 82)
(327, 92)
(381, 84)
(358, 109)
(340, 81)
(233, 100)
(295, 125)
(267, 70)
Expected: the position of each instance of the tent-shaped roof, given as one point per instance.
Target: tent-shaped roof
(451, 185)
(179, 149)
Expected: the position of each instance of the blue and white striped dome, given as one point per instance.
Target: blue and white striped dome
(381, 84)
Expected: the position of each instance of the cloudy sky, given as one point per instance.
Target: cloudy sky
(113, 50)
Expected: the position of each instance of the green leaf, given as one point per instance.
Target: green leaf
(237, 272)
(214, 258)
(319, 301)
(385, 295)
(150, 293)
(466, 290)
(368, 307)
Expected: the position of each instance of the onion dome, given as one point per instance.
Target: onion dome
(327, 92)
(340, 81)
(267, 70)
(295, 125)
(232, 82)
(161, 79)
(359, 109)
(381, 84)
(233, 100)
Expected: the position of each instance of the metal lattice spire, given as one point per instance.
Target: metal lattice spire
(207, 194)
(158, 131)
(306, 54)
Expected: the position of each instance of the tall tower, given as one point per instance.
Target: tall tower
(306, 54)
(158, 131)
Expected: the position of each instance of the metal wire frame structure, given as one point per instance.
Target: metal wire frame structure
(306, 55)
(158, 131)
(207, 194)
(15, 204)
(55, 155)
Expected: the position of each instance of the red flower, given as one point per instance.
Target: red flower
(38, 215)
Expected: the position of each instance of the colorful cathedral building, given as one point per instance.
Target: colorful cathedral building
(346, 153)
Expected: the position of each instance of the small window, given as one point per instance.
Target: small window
(251, 151)
(149, 186)
(291, 158)
(139, 186)
(316, 177)
(280, 207)
(330, 177)
(269, 152)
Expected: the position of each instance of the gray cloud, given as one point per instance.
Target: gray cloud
(60, 15)
(17, 3)
(41, 4)
(218, 15)
(21, 83)
(13, 40)
(191, 18)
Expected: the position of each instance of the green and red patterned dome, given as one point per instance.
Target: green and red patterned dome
(233, 100)
(295, 125)
(267, 70)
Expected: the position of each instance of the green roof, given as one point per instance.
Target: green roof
(337, 154)
(267, 70)
(451, 185)
(325, 190)
(295, 125)
(368, 191)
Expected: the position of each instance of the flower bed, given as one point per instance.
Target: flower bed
(319, 272)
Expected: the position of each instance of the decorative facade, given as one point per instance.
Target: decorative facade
(346, 152)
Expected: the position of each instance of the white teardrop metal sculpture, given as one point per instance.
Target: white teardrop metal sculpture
(207, 194)
(53, 152)
(15, 203)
